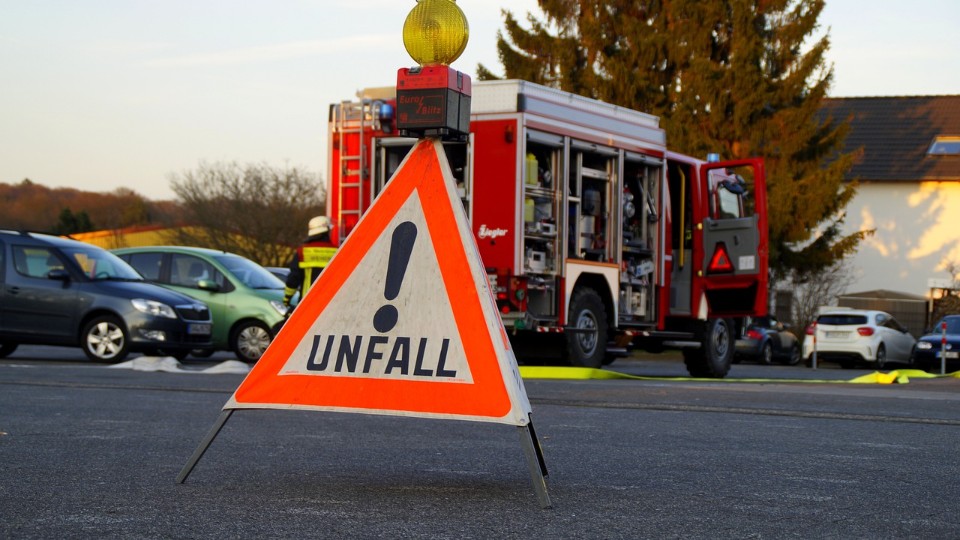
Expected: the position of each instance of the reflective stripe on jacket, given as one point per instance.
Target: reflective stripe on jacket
(314, 255)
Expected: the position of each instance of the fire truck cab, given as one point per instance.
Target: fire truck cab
(594, 235)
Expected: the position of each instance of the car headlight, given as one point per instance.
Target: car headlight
(152, 307)
(924, 345)
(278, 305)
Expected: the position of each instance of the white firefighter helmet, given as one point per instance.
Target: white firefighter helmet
(318, 225)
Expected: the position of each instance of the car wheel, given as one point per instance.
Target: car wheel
(881, 356)
(249, 340)
(105, 339)
(6, 349)
(766, 354)
(794, 357)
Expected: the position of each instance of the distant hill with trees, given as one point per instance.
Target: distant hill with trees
(255, 210)
(31, 206)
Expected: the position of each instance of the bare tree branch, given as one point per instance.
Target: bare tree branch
(257, 211)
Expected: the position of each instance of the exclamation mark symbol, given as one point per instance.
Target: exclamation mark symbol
(401, 246)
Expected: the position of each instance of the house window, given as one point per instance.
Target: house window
(945, 146)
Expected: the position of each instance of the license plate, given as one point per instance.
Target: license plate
(198, 329)
(952, 354)
(837, 335)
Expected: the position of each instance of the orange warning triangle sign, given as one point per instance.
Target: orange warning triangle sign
(721, 260)
(402, 320)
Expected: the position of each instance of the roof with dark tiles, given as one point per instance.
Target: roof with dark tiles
(896, 133)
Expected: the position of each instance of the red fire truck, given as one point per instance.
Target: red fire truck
(595, 236)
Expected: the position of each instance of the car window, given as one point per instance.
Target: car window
(894, 324)
(148, 264)
(99, 264)
(188, 271)
(250, 273)
(842, 319)
(35, 261)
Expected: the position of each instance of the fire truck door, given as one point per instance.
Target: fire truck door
(681, 184)
(731, 236)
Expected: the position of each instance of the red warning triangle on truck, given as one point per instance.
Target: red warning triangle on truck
(402, 320)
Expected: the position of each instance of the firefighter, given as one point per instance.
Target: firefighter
(310, 259)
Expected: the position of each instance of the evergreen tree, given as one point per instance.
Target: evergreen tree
(70, 223)
(83, 222)
(727, 76)
(66, 222)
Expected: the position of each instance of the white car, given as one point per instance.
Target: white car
(852, 336)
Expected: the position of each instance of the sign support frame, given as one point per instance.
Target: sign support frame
(532, 451)
(535, 463)
(204, 444)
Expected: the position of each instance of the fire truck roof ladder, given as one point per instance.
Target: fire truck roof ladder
(352, 121)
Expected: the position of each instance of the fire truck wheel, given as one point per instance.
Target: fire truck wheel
(712, 360)
(587, 346)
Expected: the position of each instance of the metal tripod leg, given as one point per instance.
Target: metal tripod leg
(535, 463)
(204, 444)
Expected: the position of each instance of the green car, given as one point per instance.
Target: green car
(245, 299)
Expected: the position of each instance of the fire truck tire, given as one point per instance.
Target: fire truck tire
(586, 347)
(712, 360)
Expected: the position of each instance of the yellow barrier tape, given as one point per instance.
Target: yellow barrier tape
(580, 373)
(880, 378)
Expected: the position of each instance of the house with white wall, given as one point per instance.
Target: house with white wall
(909, 189)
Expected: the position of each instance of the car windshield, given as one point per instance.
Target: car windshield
(250, 273)
(842, 319)
(953, 326)
(99, 264)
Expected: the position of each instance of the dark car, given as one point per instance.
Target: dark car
(56, 291)
(926, 354)
(246, 301)
(766, 339)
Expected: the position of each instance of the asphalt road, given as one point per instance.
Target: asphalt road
(93, 451)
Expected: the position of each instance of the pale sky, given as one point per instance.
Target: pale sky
(102, 94)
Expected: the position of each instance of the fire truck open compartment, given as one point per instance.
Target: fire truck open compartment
(590, 229)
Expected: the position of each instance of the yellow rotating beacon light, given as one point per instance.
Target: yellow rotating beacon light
(435, 32)
(433, 99)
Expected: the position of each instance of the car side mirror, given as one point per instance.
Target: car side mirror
(208, 285)
(58, 274)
